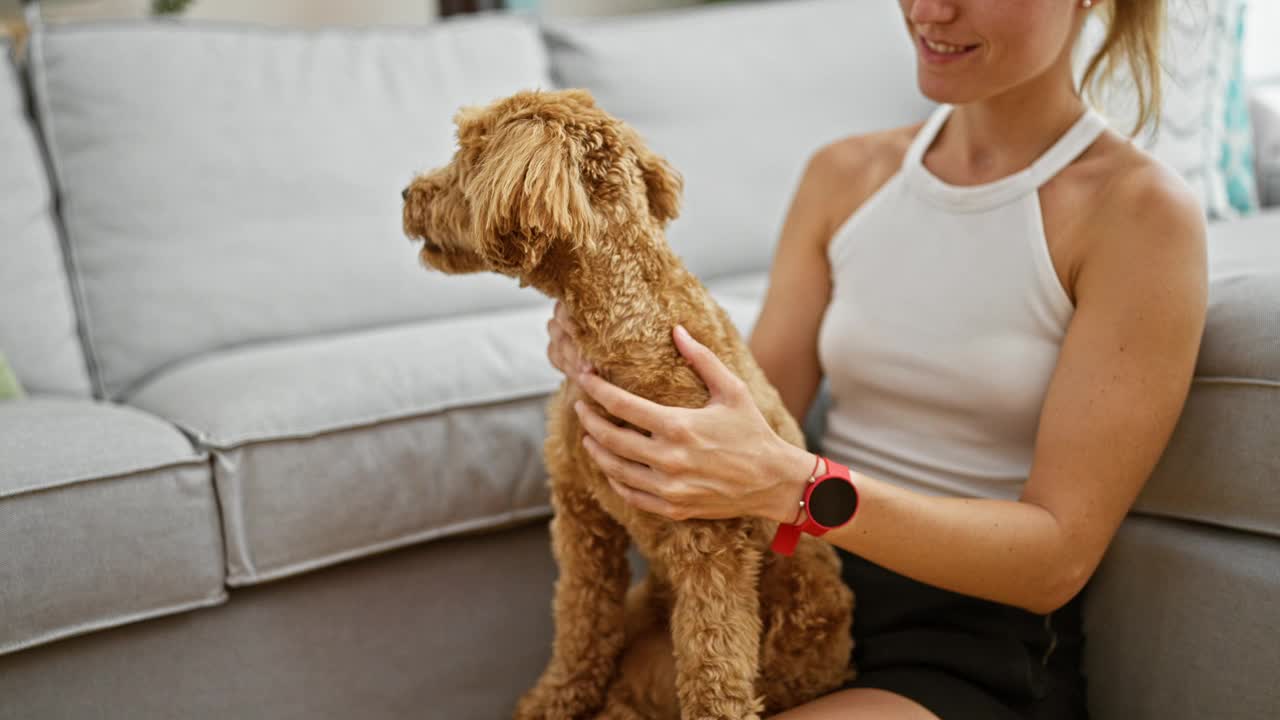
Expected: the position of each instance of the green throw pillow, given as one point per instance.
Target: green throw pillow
(9, 387)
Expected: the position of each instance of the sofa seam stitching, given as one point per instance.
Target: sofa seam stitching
(37, 71)
(196, 461)
(421, 536)
(83, 628)
(207, 442)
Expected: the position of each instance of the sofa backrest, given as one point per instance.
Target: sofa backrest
(38, 332)
(738, 98)
(224, 185)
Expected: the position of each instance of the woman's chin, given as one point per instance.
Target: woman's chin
(944, 90)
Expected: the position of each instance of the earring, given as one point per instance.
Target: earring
(1088, 3)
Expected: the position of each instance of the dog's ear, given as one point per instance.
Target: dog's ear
(662, 184)
(527, 193)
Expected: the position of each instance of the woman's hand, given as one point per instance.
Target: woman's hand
(562, 347)
(722, 460)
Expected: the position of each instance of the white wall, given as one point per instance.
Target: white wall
(1262, 33)
(326, 12)
(318, 12)
(1262, 40)
(275, 12)
(608, 7)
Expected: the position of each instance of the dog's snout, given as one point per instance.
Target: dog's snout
(404, 194)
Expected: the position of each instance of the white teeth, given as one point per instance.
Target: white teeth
(943, 47)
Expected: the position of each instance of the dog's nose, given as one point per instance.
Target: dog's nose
(404, 194)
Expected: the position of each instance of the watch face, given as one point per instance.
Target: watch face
(832, 502)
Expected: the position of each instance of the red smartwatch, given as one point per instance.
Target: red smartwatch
(830, 500)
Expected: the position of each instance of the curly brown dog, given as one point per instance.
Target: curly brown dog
(548, 188)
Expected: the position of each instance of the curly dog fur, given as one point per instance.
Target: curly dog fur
(548, 188)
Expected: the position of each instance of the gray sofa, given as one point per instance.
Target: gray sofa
(268, 467)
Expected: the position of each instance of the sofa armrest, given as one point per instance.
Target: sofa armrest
(1264, 106)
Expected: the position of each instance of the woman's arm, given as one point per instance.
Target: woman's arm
(1115, 396)
(1119, 386)
(784, 340)
(837, 179)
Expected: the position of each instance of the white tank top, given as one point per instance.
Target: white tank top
(945, 323)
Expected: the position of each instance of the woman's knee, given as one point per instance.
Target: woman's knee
(854, 703)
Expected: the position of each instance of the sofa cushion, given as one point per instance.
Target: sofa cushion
(1180, 621)
(738, 98)
(248, 186)
(37, 319)
(337, 447)
(10, 387)
(1223, 459)
(1265, 109)
(107, 515)
(333, 448)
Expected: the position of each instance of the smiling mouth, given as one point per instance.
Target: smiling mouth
(944, 51)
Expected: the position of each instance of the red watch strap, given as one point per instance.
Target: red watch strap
(786, 539)
(788, 534)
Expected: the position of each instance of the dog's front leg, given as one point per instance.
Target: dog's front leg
(715, 623)
(590, 548)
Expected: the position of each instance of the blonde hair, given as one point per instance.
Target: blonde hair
(1133, 39)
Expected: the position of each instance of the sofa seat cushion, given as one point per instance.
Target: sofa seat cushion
(1223, 460)
(223, 196)
(336, 447)
(107, 515)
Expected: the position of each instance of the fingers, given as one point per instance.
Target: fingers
(621, 441)
(636, 410)
(562, 343)
(561, 315)
(647, 502)
(719, 379)
(617, 467)
(557, 352)
(629, 479)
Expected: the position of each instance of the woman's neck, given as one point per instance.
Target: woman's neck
(991, 138)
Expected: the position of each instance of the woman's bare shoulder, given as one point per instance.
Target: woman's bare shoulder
(848, 171)
(1125, 187)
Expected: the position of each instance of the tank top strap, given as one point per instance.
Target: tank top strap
(1024, 182)
(1068, 147)
(924, 137)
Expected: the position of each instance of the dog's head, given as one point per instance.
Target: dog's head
(539, 178)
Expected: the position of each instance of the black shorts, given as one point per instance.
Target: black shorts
(962, 657)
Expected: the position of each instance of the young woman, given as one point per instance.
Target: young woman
(1007, 302)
